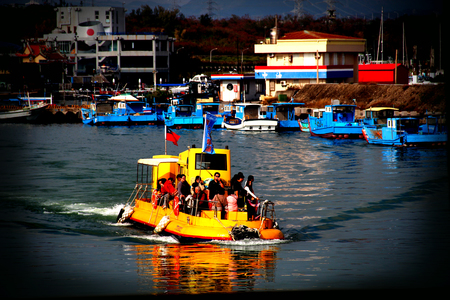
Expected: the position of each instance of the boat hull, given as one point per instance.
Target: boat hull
(288, 125)
(254, 125)
(206, 227)
(336, 131)
(376, 137)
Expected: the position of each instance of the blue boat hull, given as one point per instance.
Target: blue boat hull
(288, 125)
(377, 137)
(336, 131)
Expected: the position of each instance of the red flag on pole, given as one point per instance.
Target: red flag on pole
(172, 136)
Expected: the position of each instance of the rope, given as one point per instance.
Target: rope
(229, 232)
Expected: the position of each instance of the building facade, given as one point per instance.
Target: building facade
(238, 87)
(305, 57)
(95, 40)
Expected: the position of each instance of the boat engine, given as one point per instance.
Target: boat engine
(243, 232)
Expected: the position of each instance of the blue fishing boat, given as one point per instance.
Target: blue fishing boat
(121, 111)
(190, 116)
(284, 112)
(248, 116)
(407, 131)
(377, 116)
(105, 113)
(338, 121)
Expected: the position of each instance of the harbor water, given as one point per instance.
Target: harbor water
(355, 216)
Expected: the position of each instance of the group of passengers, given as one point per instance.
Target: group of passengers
(199, 196)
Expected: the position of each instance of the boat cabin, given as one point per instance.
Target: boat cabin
(192, 162)
(283, 111)
(338, 114)
(248, 111)
(207, 107)
(378, 115)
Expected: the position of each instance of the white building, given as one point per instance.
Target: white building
(95, 39)
(305, 57)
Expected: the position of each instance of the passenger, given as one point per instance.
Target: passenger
(158, 192)
(200, 197)
(238, 190)
(184, 190)
(168, 191)
(232, 202)
(252, 200)
(202, 193)
(217, 194)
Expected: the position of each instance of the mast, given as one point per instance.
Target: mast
(380, 37)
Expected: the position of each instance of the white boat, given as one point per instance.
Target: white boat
(247, 116)
(28, 113)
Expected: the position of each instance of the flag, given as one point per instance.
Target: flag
(172, 136)
(207, 140)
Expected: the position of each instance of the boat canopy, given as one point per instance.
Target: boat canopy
(156, 161)
(381, 108)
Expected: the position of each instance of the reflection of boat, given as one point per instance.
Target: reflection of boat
(248, 117)
(146, 208)
(407, 131)
(337, 121)
(285, 114)
(202, 268)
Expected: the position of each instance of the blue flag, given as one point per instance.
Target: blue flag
(207, 140)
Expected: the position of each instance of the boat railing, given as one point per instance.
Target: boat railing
(267, 209)
(141, 191)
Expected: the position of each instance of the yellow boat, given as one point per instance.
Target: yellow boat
(143, 208)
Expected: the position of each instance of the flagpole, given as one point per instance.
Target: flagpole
(165, 139)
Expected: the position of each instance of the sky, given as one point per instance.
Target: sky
(259, 8)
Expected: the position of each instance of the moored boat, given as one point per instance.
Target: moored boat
(248, 116)
(122, 110)
(190, 116)
(337, 122)
(304, 125)
(23, 114)
(407, 131)
(284, 112)
(193, 223)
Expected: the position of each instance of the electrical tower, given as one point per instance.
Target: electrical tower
(298, 8)
(211, 7)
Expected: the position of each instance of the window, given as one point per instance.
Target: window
(96, 15)
(107, 16)
(204, 161)
(309, 59)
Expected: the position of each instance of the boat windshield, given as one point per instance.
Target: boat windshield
(205, 161)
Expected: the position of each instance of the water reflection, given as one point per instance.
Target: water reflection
(202, 268)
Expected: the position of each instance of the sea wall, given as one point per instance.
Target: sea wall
(421, 97)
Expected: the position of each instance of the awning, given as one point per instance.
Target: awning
(156, 161)
(124, 98)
